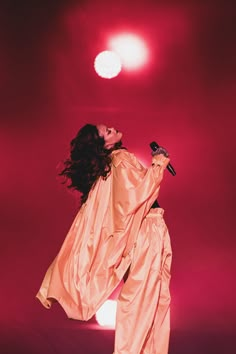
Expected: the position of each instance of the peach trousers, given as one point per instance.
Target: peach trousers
(143, 310)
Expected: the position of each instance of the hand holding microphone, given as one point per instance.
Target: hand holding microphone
(160, 150)
(157, 150)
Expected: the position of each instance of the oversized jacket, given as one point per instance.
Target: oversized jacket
(99, 246)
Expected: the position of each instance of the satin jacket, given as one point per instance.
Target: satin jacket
(99, 246)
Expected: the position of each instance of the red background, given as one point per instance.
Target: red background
(185, 100)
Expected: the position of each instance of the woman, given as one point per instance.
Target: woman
(118, 232)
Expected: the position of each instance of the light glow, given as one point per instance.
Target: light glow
(107, 64)
(106, 315)
(131, 48)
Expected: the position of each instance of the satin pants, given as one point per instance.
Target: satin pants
(143, 310)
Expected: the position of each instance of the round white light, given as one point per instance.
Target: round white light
(107, 64)
(106, 315)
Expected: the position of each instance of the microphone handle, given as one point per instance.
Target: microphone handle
(154, 146)
(171, 169)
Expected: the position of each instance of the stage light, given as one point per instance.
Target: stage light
(106, 315)
(131, 48)
(107, 64)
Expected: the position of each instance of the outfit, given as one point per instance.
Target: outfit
(114, 233)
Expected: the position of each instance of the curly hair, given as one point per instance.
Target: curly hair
(88, 161)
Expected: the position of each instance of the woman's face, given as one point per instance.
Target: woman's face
(110, 135)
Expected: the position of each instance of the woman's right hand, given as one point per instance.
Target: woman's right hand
(160, 160)
(160, 150)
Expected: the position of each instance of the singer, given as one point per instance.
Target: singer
(118, 235)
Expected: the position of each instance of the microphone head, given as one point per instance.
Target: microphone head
(154, 146)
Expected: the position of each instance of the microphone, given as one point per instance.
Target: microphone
(154, 146)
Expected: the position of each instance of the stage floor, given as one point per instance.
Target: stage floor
(89, 338)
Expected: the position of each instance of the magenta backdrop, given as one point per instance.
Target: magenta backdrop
(185, 100)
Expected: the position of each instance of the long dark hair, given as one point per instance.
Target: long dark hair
(88, 161)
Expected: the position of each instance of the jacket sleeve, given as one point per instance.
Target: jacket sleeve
(133, 184)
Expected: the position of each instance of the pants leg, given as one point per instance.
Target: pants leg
(157, 341)
(142, 324)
